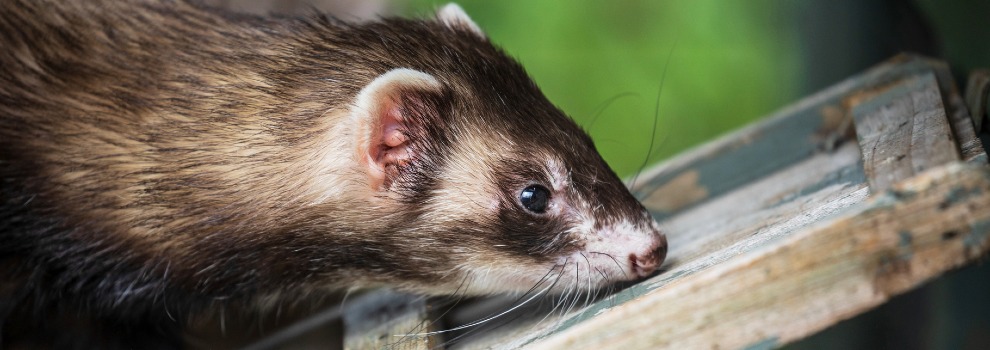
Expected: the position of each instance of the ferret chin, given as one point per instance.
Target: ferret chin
(159, 158)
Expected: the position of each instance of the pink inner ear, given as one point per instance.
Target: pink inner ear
(389, 146)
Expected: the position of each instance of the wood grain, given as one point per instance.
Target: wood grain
(903, 130)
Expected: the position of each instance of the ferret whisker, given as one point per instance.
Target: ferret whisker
(587, 294)
(460, 294)
(482, 321)
(577, 289)
(474, 330)
(557, 302)
(561, 300)
(656, 117)
(567, 293)
(167, 312)
(604, 105)
(544, 278)
(571, 299)
(617, 264)
(593, 291)
(565, 308)
(550, 274)
(608, 281)
(414, 333)
(223, 321)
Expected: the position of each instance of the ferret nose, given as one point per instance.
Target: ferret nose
(644, 264)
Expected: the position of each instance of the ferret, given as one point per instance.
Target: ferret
(161, 157)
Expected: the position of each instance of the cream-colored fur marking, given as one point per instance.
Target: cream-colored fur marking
(454, 16)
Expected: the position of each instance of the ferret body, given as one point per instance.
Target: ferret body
(158, 158)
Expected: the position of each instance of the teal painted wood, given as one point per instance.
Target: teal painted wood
(791, 135)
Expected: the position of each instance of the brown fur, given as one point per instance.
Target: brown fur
(158, 155)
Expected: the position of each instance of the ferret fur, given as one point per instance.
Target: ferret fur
(158, 157)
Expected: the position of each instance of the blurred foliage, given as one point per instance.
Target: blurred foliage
(730, 62)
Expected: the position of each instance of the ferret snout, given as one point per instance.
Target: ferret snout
(636, 249)
(643, 265)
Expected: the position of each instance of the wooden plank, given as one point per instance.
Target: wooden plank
(812, 125)
(903, 130)
(922, 227)
(810, 191)
(721, 229)
(723, 166)
(737, 159)
(389, 320)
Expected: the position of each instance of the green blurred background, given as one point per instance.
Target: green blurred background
(730, 62)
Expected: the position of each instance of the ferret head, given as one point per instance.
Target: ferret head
(493, 189)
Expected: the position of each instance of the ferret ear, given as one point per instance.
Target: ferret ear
(388, 111)
(453, 16)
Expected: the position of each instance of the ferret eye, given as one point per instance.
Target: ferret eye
(535, 198)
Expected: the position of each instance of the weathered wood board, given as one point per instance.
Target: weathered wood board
(812, 279)
(820, 212)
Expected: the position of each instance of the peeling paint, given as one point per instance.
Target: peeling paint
(765, 344)
(852, 174)
(902, 194)
(754, 152)
(905, 245)
(680, 192)
(958, 195)
(978, 235)
(877, 96)
(882, 201)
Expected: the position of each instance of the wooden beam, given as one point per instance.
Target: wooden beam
(903, 130)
